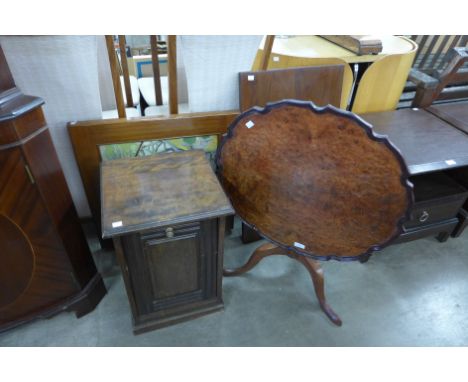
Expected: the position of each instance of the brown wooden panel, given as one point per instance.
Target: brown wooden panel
(359, 44)
(321, 85)
(454, 113)
(20, 201)
(172, 275)
(315, 181)
(29, 123)
(6, 79)
(87, 136)
(50, 181)
(159, 190)
(8, 134)
(174, 258)
(17, 261)
(22, 127)
(425, 141)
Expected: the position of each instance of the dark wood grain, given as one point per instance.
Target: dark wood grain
(159, 190)
(87, 136)
(317, 177)
(125, 73)
(156, 72)
(425, 141)
(359, 44)
(171, 250)
(456, 114)
(17, 261)
(20, 203)
(115, 77)
(46, 263)
(437, 198)
(321, 85)
(6, 79)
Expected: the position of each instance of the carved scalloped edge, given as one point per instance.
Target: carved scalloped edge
(404, 178)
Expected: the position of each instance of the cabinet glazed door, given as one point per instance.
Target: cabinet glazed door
(173, 266)
(34, 272)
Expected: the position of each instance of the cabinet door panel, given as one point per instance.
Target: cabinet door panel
(174, 265)
(22, 207)
(17, 261)
(175, 270)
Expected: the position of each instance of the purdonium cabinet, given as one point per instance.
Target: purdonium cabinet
(166, 215)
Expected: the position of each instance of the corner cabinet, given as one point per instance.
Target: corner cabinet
(45, 262)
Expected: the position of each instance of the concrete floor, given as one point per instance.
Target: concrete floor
(413, 294)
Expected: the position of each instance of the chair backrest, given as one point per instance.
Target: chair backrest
(433, 48)
(278, 61)
(212, 64)
(451, 83)
(383, 82)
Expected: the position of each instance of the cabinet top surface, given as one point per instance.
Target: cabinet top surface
(454, 113)
(160, 190)
(427, 142)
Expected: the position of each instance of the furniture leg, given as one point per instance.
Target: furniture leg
(316, 273)
(260, 253)
(443, 237)
(249, 235)
(313, 266)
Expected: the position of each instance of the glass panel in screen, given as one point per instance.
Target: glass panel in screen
(207, 143)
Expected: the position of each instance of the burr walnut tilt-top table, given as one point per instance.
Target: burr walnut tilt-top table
(318, 183)
(166, 215)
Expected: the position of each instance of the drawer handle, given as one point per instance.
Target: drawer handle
(424, 216)
(169, 232)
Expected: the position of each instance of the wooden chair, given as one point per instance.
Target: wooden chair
(431, 52)
(155, 90)
(448, 83)
(126, 93)
(430, 58)
(382, 84)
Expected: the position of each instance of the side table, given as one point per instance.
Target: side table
(166, 215)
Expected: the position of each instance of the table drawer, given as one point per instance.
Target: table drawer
(437, 198)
